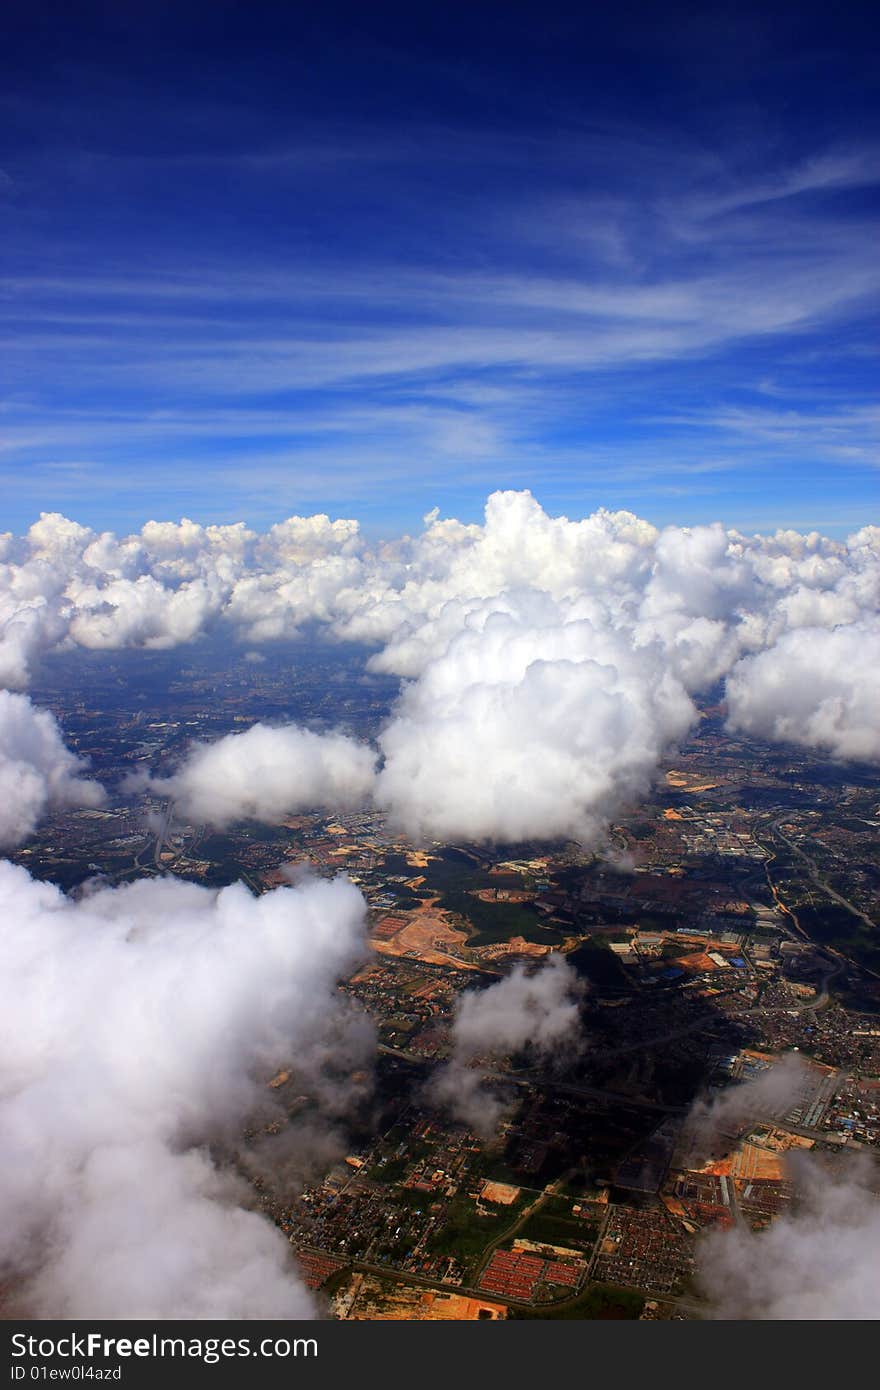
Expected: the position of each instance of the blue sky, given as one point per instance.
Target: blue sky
(263, 258)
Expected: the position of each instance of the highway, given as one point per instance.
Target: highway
(820, 883)
(545, 1082)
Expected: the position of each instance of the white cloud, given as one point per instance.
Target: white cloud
(820, 1260)
(547, 662)
(718, 1119)
(536, 1009)
(36, 769)
(142, 1024)
(142, 613)
(269, 772)
(534, 722)
(816, 687)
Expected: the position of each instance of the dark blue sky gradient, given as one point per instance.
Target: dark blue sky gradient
(263, 258)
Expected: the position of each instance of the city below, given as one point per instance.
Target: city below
(728, 923)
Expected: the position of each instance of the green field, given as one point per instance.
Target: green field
(455, 876)
(499, 921)
(833, 925)
(464, 1233)
(391, 1170)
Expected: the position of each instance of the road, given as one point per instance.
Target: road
(820, 882)
(510, 1231)
(547, 1082)
(688, 1305)
(161, 834)
(840, 956)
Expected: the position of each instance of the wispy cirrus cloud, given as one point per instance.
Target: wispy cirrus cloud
(591, 296)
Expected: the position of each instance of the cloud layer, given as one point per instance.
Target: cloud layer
(548, 664)
(141, 1024)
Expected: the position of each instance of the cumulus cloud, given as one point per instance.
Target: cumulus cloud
(142, 613)
(816, 687)
(692, 588)
(535, 721)
(28, 626)
(268, 773)
(535, 1010)
(548, 663)
(819, 1261)
(141, 1025)
(36, 770)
